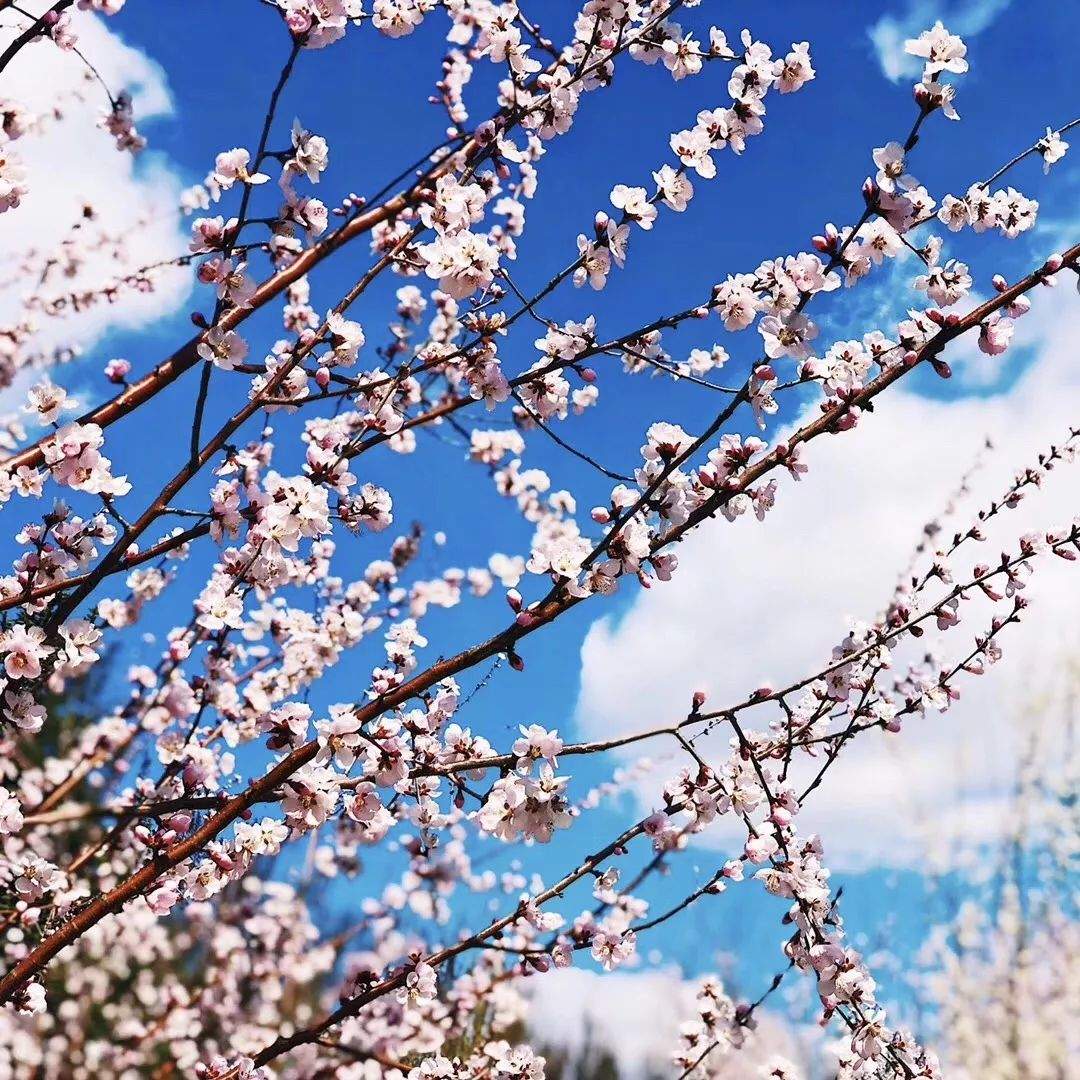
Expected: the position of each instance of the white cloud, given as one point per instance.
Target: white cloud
(966, 18)
(754, 604)
(70, 162)
(635, 1017)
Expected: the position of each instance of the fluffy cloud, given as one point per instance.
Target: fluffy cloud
(966, 18)
(71, 163)
(754, 604)
(635, 1017)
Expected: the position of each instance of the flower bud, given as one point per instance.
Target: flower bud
(193, 775)
(179, 823)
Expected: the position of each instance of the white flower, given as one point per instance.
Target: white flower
(11, 818)
(634, 203)
(420, 985)
(1052, 147)
(535, 744)
(675, 188)
(223, 348)
(788, 336)
(941, 50)
(610, 948)
(889, 160)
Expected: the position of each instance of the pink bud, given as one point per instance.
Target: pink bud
(600, 515)
(117, 370)
(179, 823)
(322, 378)
(222, 861)
(193, 775)
(513, 598)
(699, 699)
(1054, 263)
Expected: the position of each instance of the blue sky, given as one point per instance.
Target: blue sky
(367, 96)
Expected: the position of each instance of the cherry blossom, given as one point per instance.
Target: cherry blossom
(305, 721)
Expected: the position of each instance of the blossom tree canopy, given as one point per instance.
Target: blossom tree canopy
(155, 921)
